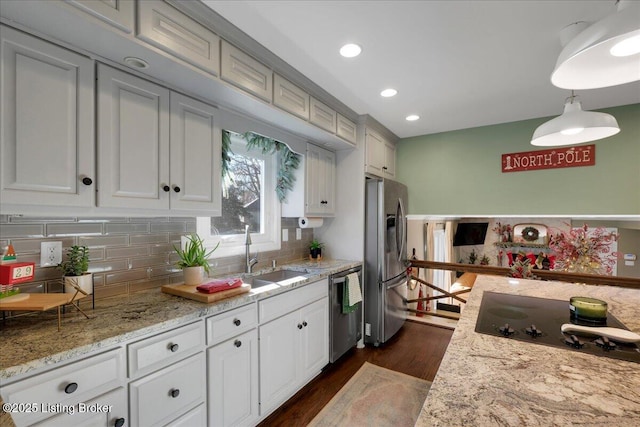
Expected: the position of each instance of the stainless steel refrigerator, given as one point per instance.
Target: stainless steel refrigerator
(385, 282)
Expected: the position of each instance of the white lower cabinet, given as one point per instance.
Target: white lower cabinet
(293, 347)
(233, 381)
(165, 395)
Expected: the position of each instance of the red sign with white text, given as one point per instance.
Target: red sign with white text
(584, 155)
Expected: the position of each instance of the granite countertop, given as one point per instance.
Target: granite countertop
(488, 380)
(33, 341)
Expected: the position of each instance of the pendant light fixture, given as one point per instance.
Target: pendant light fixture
(606, 53)
(575, 126)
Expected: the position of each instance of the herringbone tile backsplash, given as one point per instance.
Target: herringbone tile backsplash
(126, 254)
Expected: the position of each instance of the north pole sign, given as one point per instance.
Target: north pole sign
(584, 155)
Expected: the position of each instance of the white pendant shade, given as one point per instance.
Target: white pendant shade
(602, 55)
(575, 126)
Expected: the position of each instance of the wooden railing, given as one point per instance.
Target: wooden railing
(592, 279)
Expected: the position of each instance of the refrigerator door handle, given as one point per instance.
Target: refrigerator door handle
(401, 230)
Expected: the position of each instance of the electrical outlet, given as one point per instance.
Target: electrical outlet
(285, 234)
(367, 329)
(50, 254)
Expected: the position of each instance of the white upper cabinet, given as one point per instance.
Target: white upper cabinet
(346, 129)
(195, 155)
(245, 72)
(133, 141)
(117, 13)
(156, 149)
(174, 32)
(320, 181)
(323, 116)
(290, 97)
(47, 145)
(380, 155)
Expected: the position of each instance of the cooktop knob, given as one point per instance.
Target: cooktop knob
(605, 343)
(533, 331)
(506, 330)
(574, 342)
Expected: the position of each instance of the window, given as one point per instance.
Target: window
(248, 198)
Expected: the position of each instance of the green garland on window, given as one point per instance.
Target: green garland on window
(288, 161)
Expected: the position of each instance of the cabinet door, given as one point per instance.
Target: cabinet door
(47, 141)
(233, 381)
(133, 141)
(323, 116)
(196, 147)
(319, 181)
(290, 97)
(174, 32)
(279, 355)
(374, 153)
(328, 181)
(117, 13)
(389, 160)
(315, 338)
(346, 129)
(245, 72)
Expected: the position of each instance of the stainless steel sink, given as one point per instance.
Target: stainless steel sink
(274, 278)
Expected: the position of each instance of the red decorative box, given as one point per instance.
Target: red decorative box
(17, 272)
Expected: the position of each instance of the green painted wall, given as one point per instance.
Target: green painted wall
(459, 173)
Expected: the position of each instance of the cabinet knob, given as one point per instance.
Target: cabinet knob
(384, 168)
(70, 388)
(166, 188)
(174, 392)
(119, 422)
(237, 343)
(299, 325)
(176, 189)
(236, 322)
(87, 181)
(304, 323)
(173, 347)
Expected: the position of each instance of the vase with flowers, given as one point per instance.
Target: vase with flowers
(584, 251)
(503, 231)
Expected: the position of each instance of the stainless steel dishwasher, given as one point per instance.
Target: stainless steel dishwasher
(345, 329)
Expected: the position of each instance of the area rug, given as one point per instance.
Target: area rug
(375, 396)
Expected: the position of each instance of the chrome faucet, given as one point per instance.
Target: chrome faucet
(247, 243)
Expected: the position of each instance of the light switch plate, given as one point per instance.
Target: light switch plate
(50, 254)
(285, 234)
(298, 233)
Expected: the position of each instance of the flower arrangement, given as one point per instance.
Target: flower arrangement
(584, 250)
(522, 269)
(503, 231)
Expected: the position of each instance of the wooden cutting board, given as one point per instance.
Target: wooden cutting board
(190, 291)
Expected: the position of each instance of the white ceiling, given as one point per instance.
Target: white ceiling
(457, 64)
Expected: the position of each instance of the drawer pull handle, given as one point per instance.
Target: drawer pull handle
(70, 388)
(237, 343)
(173, 347)
(299, 325)
(236, 322)
(304, 323)
(119, 422)
(174, 392)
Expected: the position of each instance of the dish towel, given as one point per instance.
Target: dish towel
(219, 285)
(351, 294)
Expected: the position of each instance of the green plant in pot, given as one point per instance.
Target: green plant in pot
(75, 270)
(194, 260)
(315, 249)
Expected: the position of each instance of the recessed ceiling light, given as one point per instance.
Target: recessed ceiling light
(136, 62)
(388, 93)
(350, 50)
(412, 118)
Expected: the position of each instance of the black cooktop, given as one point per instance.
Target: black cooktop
(538, 320)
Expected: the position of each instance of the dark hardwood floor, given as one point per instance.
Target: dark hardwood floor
(416, 350)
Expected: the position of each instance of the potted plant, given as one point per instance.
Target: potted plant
(194, 259)
(75, 270)
(315, 249)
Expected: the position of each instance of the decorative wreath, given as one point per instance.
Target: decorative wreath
(530, 234)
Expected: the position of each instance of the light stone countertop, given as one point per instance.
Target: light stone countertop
(31, 342)
(485, 380)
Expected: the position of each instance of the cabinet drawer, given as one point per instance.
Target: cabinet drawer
(287, 302)
(245, 72)
(174, 32)
(68, 385)
(158, 351)
(322, 116)
(230, 324)
(118, 14)
(346, 129)
(290, 97)
(168, 393)
(195, 417)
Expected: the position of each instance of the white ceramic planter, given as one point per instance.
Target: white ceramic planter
(84, 282)
(193, 275)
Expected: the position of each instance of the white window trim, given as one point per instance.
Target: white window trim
(233, 245)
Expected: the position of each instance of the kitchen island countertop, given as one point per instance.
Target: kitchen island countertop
(31, 342)
(487, 380)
